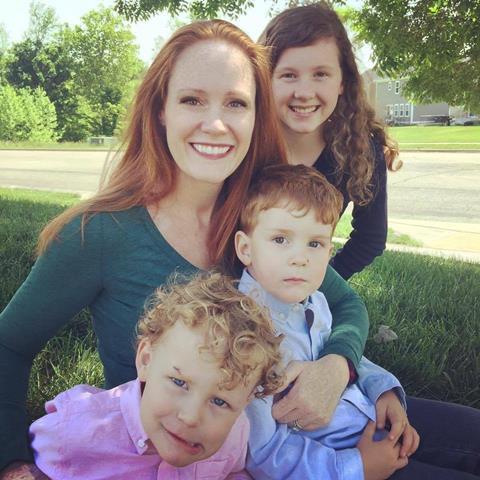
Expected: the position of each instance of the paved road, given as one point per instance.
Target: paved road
(439, 186)
(443, 186)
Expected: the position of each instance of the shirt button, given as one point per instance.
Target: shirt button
(281, 316)
(141, 443)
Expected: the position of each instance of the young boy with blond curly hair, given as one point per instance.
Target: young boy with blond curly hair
(204, 351)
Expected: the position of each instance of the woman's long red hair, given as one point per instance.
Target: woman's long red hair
(146, 172)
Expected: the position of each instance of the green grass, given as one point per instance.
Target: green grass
(52, 146)
(344, 227)
(421, 137)
(432, 137)
(71, 357)
(432, 304)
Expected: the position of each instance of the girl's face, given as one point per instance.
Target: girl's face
(209, 111)
(307, 82)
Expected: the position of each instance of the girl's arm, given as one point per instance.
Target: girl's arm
(369, 225)
(64, 280)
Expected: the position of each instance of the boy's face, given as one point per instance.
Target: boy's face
(184, 413)
(287, 252)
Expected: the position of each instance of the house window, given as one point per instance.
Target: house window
(389, 86)
(407, 109)
(397, 87)
(395, 110)
(401, 110)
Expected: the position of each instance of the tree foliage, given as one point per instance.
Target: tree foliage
(26, 115)
(87, 71)
(144, 9)
(434, 44)
(43, 24)
(105, 65)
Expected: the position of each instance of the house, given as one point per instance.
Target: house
(385, 94)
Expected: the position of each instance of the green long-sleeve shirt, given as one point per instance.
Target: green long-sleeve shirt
(120, 261)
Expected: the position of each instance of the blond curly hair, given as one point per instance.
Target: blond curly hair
(239, 334)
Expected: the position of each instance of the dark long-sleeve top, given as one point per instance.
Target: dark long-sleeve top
(369, 223)
(123, 257)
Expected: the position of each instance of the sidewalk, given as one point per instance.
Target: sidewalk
(448, 239)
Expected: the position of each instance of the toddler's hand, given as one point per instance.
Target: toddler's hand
(380, 459)
(389, 409)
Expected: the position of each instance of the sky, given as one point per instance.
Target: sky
(14, 15)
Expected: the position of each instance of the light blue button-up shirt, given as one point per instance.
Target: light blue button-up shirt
(329, 453)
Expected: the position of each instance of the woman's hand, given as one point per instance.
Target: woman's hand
(315, 394)
(22, 471)
(390, 410)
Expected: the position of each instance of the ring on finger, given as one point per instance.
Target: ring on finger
(295, 426)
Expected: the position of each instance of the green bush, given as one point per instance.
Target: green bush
(26, 115)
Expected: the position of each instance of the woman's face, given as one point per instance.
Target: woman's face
(307, 82)
(209, 111)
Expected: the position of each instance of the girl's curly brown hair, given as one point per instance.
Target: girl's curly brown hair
(352, 126)
(239, 334)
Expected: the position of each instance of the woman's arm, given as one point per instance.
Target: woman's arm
(349, 319)
(369, 225)
(63, 281)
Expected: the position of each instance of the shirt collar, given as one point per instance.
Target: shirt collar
(130, 408)
(249, 286)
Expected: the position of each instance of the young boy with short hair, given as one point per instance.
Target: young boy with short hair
(285, 244)
(204, 351)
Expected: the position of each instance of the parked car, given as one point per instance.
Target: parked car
(467, 121)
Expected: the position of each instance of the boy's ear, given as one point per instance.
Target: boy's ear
(143, 358)
(242, 247)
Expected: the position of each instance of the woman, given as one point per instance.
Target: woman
(200, 129)
(327, 122)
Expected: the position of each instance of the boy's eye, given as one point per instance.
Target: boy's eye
(314, 244)
(220, 403)
(178, 382)
(280, 240)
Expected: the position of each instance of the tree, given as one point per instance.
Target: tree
(105, 64)
(46, 66)
(434, 44)
(144, 9)
(87, 71)
(43, 23)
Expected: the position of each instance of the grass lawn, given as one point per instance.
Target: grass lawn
(52, 146)
(421, 137)
(344, 227)
(431, 137)
(432, 304)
